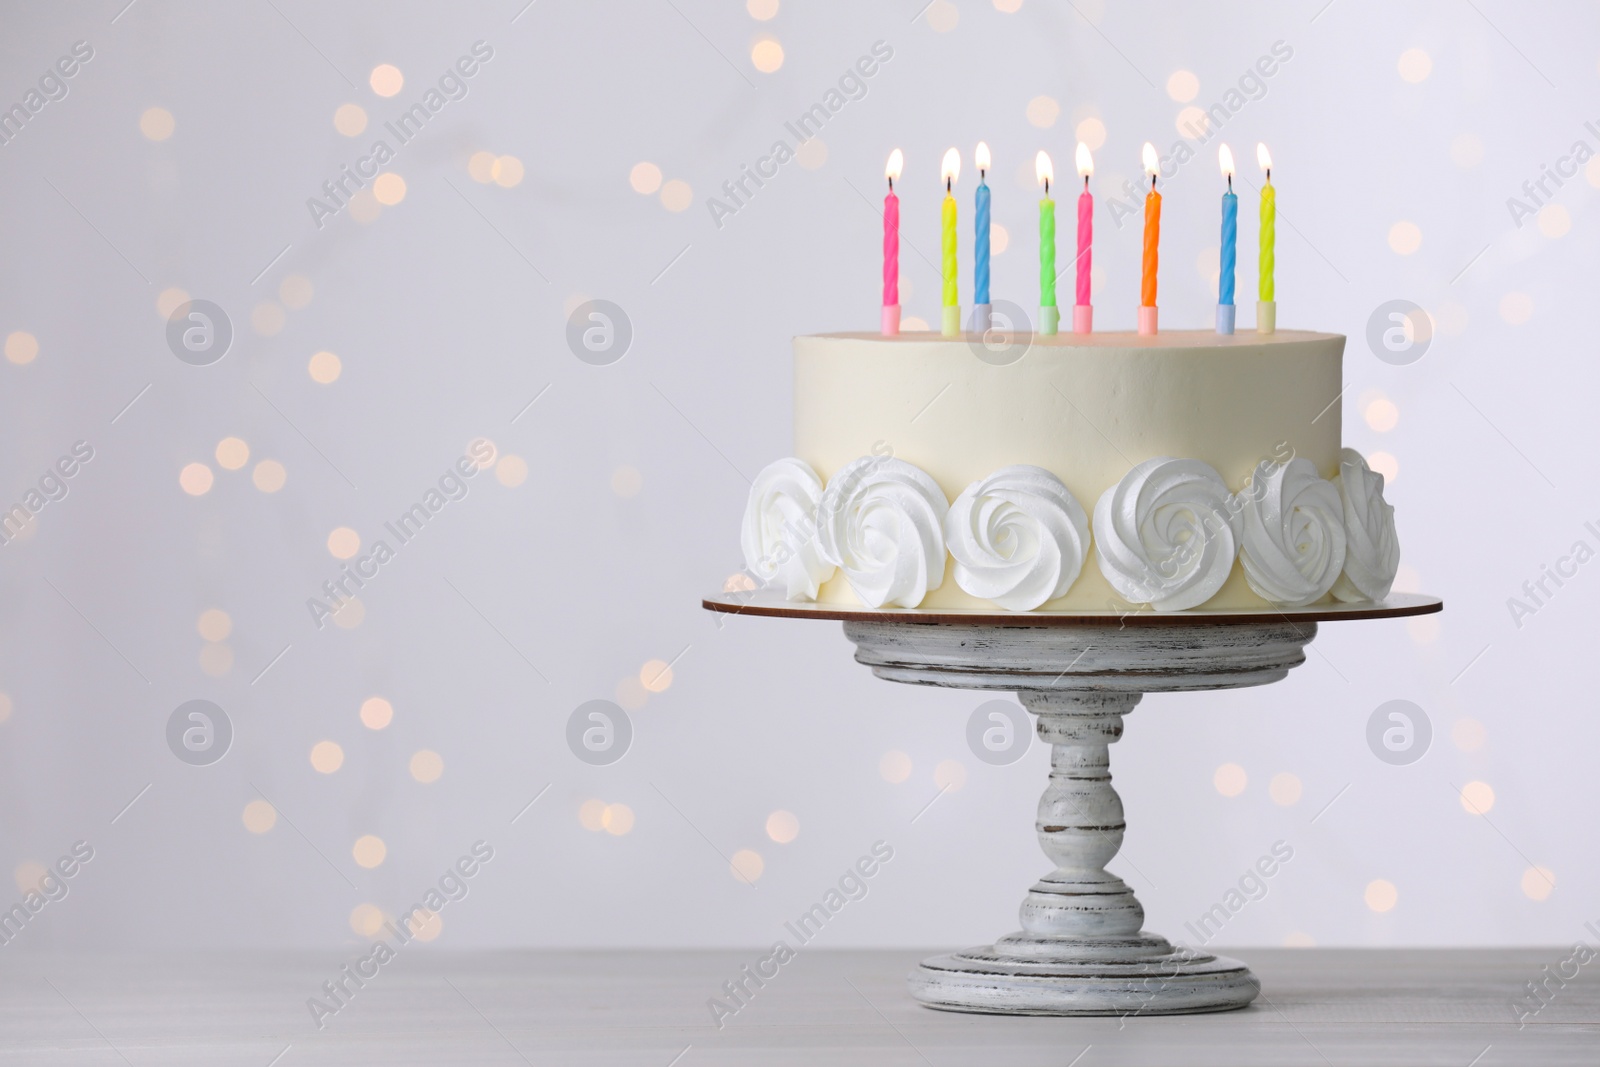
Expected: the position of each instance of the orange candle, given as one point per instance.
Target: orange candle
(1152, 241)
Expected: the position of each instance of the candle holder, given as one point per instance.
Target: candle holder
(891, 320)
(1147, 321)
(1082, 949)
(1225, 317)
(1266, 316)
(1049, 321)
(1083, 318)
(982, 319)
(950, 326)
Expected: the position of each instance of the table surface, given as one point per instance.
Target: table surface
(429, 1006)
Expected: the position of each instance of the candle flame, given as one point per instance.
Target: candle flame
(1152, 162)
(980, 157)
(950, 169)
(1225, 160)
(1085, 160)
(1044, 170)
(897, 163)
(1263, 157)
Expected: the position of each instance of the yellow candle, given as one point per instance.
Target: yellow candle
(951, 169)
(1269, 229)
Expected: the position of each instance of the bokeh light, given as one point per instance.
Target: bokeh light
(426, 766)
(269, 476)
(656, 675)
(232, 453)
(1230, 779)
(376, 713)
(295, 291)
(326, 757)
(645, 178)
(389, 188)
(157, 123)
(196, 479)
(480, 165)
(369, 851)
(1405, 238)
(1477, 798)
(626, 481)
(1538, 883)
(1415, 65)
(343, 542)
(747, 865)
(766, 55)
(591, 815)
(350, 119)
(507, 171)
(616, 819)
(324, 368)
(21, 347)
(1468, 734)
(783, 827)
(386, 79)
(1183, 86)
(677, 195)
(1092, 132)
(259, 816)
(1043, 111)
(950, 775)
(1381, 895)
(511, 471)
(1284, 789)
(895, 766)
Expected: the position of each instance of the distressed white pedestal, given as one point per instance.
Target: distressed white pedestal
(1082, 949)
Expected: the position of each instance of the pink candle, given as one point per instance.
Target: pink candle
(891, 248)
(1083, 313)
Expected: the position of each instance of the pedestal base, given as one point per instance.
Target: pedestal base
(1025, 974)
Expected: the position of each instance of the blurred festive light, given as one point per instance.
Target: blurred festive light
(232, 453)
(1381, 895)
(762, 10)
(677, 195)
(1092, 132)
(389, 188)
(267, 318)
(480, 165)
(216, 659)
(366, 920)
(324, 368)
(195, 478)
(942, 16)
(626, 481)
(350, 119)
(169, 300)
(1538, 883)
(269, 476)
(766, 55)
(157, 123)
(295, 291)
(1230, 779)
(1468, 734)
(783, 827)
(1382, 414)
(616, 819)
(1466, 150)
(1405, 238)
(1477, 798)
(1516, 308)
(1554, 221)
(5, 706)
(326, 757)
(1386, 465)
(1183, 86)
(591, 815)
(1284, 789)
(1042, 111)
(350, 614)
(369, 851)
(511, 471)
(364, 206)
(1415, 65)
(376, 713)
(747, 865)
(426, 766)
(21, 347)
(259, 816)
(645, 178)
(895, 766)
(950, 775)
(812, 153)
(386, 79)
(656, 675)
(507, 171)
(343, 542)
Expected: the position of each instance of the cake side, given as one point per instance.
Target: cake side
(1087, 409)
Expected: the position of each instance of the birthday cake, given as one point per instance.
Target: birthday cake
(1097, 471)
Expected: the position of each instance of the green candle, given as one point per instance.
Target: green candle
(1047, 235)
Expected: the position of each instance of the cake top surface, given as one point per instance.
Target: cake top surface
(1106, 339)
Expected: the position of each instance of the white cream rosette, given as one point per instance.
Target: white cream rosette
(1372, 549)
(1164, 535)
(881, 522)
(1019, 537)
(1292, 527)
(779, 533)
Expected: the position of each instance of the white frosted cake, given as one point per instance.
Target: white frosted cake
(1097, 471)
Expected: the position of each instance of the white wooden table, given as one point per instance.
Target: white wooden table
(1365, 1008)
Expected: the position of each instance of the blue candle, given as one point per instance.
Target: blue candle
(980, 272)
(1230, 246)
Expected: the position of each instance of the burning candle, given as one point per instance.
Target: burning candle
(1049, 316)
(949, 171)
(1083, 312)
(891, 247)
(1230, 245)
(1267, 306)
(980, 250)
(1152, 242)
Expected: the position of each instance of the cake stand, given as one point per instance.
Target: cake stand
(1082, 949)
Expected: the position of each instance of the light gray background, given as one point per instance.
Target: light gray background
(517, 604)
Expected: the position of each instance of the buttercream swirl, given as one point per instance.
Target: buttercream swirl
(1165, 534)
(1372, 549)
(1019, 537)
(881, 522)
(1293, 543)
(779, 533)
